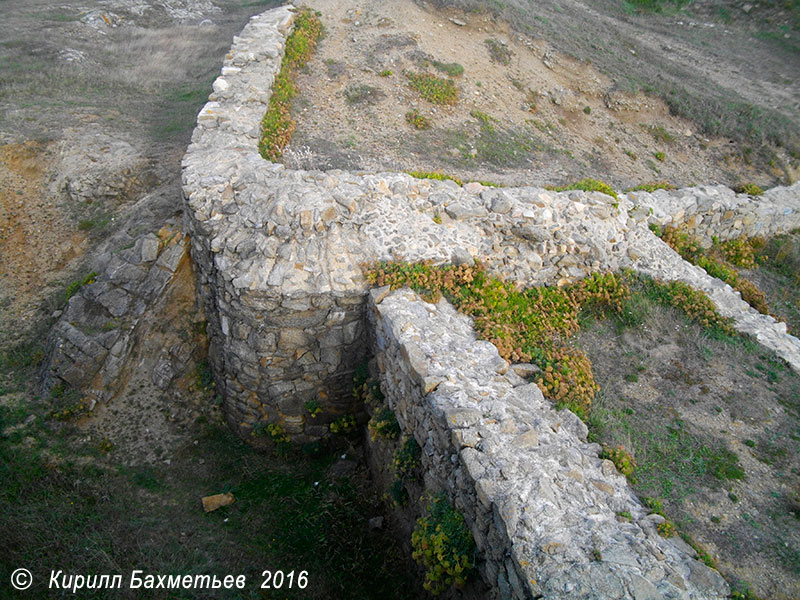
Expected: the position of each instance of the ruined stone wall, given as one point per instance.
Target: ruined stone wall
(279, 252)
(717, 211)
(542, 506)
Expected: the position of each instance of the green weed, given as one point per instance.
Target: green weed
(435, 90)
(277, 126)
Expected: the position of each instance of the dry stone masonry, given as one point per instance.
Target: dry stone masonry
(279, 252)
(542, 507)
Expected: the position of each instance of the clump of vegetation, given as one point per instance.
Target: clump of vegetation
(434, 175)
(587, 110)
(666, 529)
(740, 252)
(343, 425)
(716, 265)
(417, 119)
(487, 121)
(660, 134)
(277, 126)
(313, 408)
(73, 287)
(384, 424)
(452, 69)
(498, 51)
(407, 459)
(586, 185)
(386, 73)
(622, 459)
(695, 304)
(750, 189)
(435, 90)
(659, 156)
(443, 544)
(652, 187)
(363, 94)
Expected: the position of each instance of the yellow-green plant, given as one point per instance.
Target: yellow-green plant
(652, 187)
(276, 433)
(418, 120)
(313, 408)
(434, 175)
(407, 459)
(749, 188)
(384, 424)
(586, 185)
(666, 528)
(343, 425)
(715, 264)
(277, 126)
(526, 325)
(436, 90)
(443, 544)
(622, 459)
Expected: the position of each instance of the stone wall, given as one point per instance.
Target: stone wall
(717, 211)
(542, 507)
(279, 252)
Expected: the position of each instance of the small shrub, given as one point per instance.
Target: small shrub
(384, 424)
(660, 134)
(659, 156)
(343, 425)
(386, 73)
(622, 459)
(666, 529)
(443, 544)
(739, 252)
(498, 51)
(587, 110)
(407, 458)
(631, 154)
(750, 189)
(435, 90)
(453, 69)
(398, 493)
(418, 120)
(587, 185)
(655, 228)
(655, 505)
(486, 121)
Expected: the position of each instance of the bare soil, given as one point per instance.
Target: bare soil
(543, 117)
(680, 401)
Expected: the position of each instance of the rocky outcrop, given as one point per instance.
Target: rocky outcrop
(545, 512)
(91, 344)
